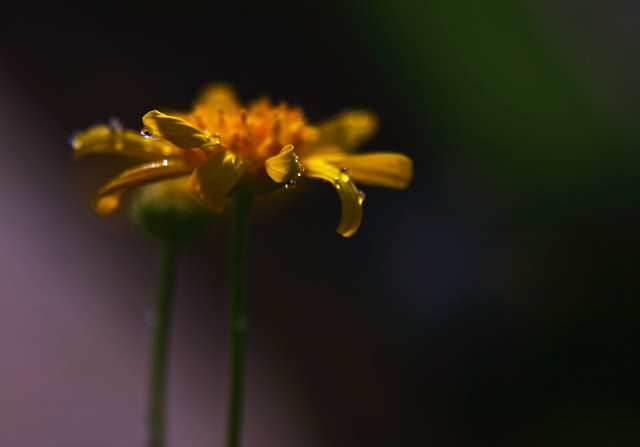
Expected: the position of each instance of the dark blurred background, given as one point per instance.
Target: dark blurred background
(492, 303)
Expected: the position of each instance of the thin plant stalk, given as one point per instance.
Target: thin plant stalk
(159, 323)
(237, 321)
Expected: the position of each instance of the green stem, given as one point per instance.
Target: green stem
(237, 321)
(160, 329)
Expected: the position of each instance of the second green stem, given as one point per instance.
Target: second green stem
(162, 312)
(237, 321)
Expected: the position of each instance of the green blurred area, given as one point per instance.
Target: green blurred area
(508, 109)
(525, 106)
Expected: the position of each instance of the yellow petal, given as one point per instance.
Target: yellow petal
(344, 132)
(215, 103)
(107, 199)
(214, 178)
(284, 166)
(387, 169)
(349, 194)
(105, 139)
(176, 130)
(217, 96)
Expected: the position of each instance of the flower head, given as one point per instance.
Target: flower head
(227, 149)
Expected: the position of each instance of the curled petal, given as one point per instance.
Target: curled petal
(214, 178)
(349, 194)
(344, 132)
(284, 166)
(387, 169)
(107, 199)
(176, 130)
(105, 139)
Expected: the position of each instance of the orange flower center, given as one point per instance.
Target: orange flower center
(255, 133)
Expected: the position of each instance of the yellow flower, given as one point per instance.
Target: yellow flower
(226, 149)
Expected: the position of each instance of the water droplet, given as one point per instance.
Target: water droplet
(362, 194)
(358, 118)
(302, 168)
(146, 132)
(298, 114)
(73, 139)
(345, 170)
(215, 139)
(344, 176)
(336, 183)
(290, 184)
(115, 124)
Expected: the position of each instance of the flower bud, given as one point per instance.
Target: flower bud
(168, 212)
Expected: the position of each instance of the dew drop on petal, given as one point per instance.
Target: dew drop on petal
(358, 118)
(298, 114)
(290, 184)
(146, 132)
(362, 197)
(73, 142)
(116, 124)
(345, 170)
(215, 139)
(73, 139)
(302, 168)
